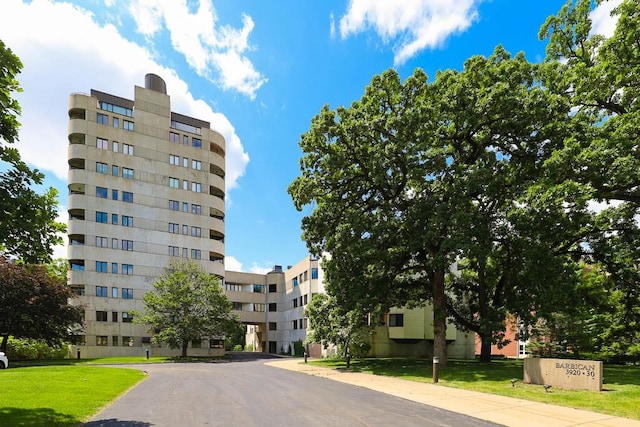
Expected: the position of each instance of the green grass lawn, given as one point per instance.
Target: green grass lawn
(621, 395)
(59, 395)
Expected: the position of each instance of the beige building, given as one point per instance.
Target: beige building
(145, 184)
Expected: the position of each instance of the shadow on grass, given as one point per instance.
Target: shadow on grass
(114, 422)
(36, 417)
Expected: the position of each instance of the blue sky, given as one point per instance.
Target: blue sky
(257, 70)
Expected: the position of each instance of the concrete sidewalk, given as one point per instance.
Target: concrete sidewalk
(498, 409)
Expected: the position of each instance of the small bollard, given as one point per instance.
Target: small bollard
(435, 369)
(78, 354)
(147, 351)
(305, 357)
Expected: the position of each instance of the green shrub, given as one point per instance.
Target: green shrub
(28, 349)
(298, 348)
(237, 347)
(248, 347)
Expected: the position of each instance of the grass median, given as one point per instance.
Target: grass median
(60, 395)
(620, 397)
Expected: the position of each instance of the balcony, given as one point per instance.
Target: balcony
(77, 151)
(77, 130)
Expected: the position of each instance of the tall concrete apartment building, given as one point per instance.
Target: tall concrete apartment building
(146, 184)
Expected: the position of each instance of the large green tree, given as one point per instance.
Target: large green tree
(186, 304)
(599, 76)
(28, 227)
(416, 175)
(35, 304)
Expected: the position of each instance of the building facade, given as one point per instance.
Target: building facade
(146, 184)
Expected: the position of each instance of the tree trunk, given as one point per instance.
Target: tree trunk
(485, 349)
(439, 318)
(3, 346)
(184, 348)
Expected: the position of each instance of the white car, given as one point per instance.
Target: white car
(4, 362)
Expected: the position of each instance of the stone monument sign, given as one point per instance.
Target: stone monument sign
(564, 373)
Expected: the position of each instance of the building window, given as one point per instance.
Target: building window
(101, 192)
(114, 339)
(196, 232)
(127, 197)
(102, 242)
(174, 228)
(174, 160)
(101, 291)
(196, 187)
(126, 317)
(233, 287)
(273, 326)
(114, 194)
(127, 245)
(196, 343)
(185, 207)
(127, 125)
(305, 299)
(295, 324)
(295, 302)
(102, 143)
(185, 229)
(196, 254)
(174, 137)
(258, 307)
(272, 306)
(273, 288)
(196, 164)
(174, 251)
(185, 253)
(114, 268)
(185, 139)
(102, 119)
(114, 294)
(127, 149)
(77, 265)
(102, 340)
(185, 184)
(101, 267)
(185, 162)
(174, 182)
(101, 217)
(127, 269)
(127, 221)
(236, 306)
(314, 273)
(127, 341)
(197, 142)
(295, 282)
(102, 167)
(396, 320)
(116, 109)
(258, 289)
(174, 205)
(115, 147)
(196, 209)
(114, 219)
(127, 293)
(114, 243)
(127, 173)
(116, 122)
(114, 170)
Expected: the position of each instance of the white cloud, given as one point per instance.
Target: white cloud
(232, 264)
(214, 51)
(409, 25)
(63, 50)
(601, 20)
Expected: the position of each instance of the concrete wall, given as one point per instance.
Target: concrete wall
(564, 373)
